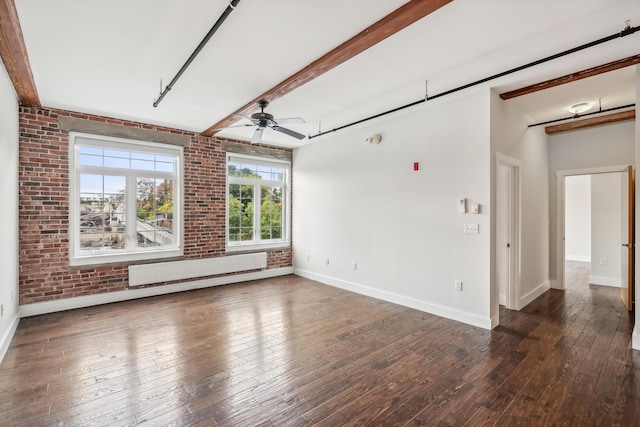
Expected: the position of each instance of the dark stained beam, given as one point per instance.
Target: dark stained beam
(594, 121)
(412, 11)
(14, 55)
(590, 72)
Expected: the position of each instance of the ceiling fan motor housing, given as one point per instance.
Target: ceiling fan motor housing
(262, 119)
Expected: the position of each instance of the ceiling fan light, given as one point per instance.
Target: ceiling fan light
(580, 107)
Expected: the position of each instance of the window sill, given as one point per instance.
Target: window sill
(104, 259)
(256, 247)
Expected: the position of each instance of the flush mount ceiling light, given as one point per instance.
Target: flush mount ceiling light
(580, 108)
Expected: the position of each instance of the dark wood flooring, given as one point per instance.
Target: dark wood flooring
(292, 352)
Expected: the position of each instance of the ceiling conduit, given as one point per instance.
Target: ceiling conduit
(221, 19)
(579, 116)
(628, 30)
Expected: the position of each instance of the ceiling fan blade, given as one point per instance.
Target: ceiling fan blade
(289, 132)
(257, 135)
(289, 120)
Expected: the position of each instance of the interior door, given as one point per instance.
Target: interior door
(627, 238)
(503, 224)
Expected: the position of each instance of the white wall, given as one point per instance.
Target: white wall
(601, 146)
(9, 211)
(511, 137)
(365, 204)
(606, 226)
(577, 202)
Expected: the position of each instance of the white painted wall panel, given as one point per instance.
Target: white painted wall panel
(606, 226)
(577, 202)
(9, 211)
(364, 203)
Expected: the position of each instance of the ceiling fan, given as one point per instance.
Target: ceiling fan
(265, 120)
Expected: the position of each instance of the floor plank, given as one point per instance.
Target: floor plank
(293, 352)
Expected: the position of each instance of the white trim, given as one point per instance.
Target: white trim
(8, 336)
(131, 252)
(614, 282)
(635, 338)
(129, 294)
(532, 295)
(438, 310)
(560, 229)
(580, 258)
(285, 185)
(515, 230)
(257, 246)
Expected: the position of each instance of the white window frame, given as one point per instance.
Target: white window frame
(258, 244)
(132, 252)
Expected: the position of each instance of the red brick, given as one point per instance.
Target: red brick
(44, 207)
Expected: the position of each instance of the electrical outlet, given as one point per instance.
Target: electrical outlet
(603, 261)
(354, 265)
(326, 261)
(471, 228)
(458, 285)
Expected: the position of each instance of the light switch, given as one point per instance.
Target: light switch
(471, 228)
(475, 208)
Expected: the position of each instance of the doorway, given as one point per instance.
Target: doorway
(595, 226)
(592, 226)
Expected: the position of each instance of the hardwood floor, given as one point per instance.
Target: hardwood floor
(292, 352)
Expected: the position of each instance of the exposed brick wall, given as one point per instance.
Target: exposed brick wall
(44, 209)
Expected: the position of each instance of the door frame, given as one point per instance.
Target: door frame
(560, 210)
(513, 231)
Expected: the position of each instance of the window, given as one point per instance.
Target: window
(257, 203)
(125, 200)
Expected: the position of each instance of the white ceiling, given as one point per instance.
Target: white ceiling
(109, 58)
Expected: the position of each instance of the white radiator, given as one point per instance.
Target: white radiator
(178, 270)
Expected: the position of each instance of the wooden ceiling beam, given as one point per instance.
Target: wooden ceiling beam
(590, 122)
(590, 72)
(14, 55)
(407, 14)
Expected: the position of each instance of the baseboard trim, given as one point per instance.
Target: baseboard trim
(635, 339)
(581, 258)
(53, 306)
(530, 296)
(438, 310)
(8, 336)
(613, 282)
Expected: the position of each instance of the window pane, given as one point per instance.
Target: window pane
(142, 165)
(103, 222)
(91, 156)
(256, 210)
(102, 212)
(271, 213)
(154, 212)
(90, 160)
(116, 162)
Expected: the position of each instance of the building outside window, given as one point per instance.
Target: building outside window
(126, 201)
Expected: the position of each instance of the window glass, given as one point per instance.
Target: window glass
(257, 202)
(125, 200)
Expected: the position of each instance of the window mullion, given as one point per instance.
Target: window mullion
(257, 206)
(131, 214)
